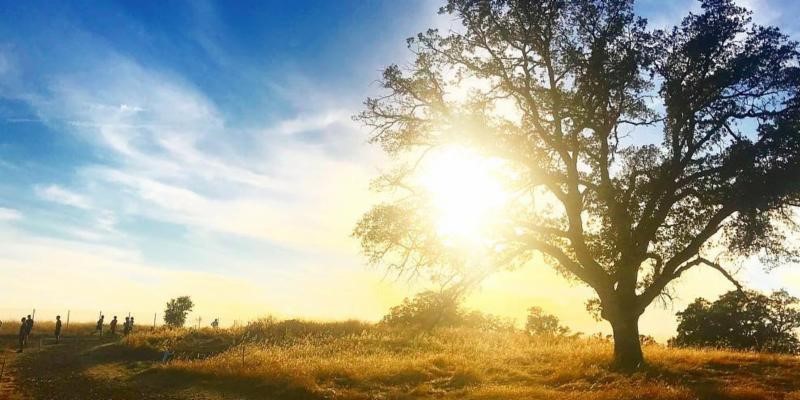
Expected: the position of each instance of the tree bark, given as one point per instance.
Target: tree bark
(627, 347)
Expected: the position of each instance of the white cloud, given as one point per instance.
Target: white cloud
(9, 214)
(175, 160)
(311, 122)
(130, 109)
(58, 194)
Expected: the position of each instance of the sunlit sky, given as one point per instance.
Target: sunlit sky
(156, 149)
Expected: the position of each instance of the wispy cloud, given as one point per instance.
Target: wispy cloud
(172, 158)
(58, 194)
(311, 122)
(9, 214)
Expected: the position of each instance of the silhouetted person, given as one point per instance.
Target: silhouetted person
(28, 328)
(23, 334)
(58, 328)
(126, 326)
(99, 327)
(215, 323)
(131, 325)
(112, 326)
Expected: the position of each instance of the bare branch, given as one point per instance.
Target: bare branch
(707, 262)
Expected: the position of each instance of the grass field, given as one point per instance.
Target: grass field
(353, 360)
(44, 329)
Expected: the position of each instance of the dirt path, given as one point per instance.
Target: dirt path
(89, 368)
(9, 390)
(82, 368)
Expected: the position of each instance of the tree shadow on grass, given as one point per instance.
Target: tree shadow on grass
(60, 371)
(732, 379)
(110, 370)
(182, 382)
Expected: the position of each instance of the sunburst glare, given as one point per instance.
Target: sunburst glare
(465, 190)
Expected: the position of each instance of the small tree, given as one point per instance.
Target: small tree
(742, 320)
(440, 309)
(540, 323)
(427, 310)
(177, 310)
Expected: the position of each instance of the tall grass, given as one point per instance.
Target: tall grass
(47, 328)
(356, 360)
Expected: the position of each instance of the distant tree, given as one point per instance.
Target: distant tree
(631, 149)
(487, 322)
(439, 309)
(177, 310)
(647, 340)
(426, 310)
(744, 320)
(540, 323)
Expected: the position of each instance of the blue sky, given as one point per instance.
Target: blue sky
(153, 149)
(240, 83)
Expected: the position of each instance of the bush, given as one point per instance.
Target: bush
(540, 323)
(429, 310)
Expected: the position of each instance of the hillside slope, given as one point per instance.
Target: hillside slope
(356, 361)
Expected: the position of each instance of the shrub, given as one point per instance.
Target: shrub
(540, 323)
(429, 310)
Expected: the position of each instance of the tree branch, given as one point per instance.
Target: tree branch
(716, 266)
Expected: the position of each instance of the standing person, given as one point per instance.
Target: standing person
(99, 327)
(23, 334)
(215, 323)
(126, 326)
(28, 328)
(58, 328)
(112, 326)
(131, 325)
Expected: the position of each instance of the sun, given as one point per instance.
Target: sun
(465, 190)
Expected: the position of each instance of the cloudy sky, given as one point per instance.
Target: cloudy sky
(154, 149)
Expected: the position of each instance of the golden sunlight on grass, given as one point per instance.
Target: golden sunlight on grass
(349, 360)
(466, 192)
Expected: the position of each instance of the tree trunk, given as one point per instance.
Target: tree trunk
(627, 348)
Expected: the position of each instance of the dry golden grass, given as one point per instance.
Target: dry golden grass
(46, 328)
(360, 361)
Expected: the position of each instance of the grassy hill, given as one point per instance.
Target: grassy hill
(353, 360)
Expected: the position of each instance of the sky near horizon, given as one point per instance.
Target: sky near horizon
(155, 149)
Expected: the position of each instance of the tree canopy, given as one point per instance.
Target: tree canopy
(744, 320)
(633, 154)
(429, 310)
(177, 310)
